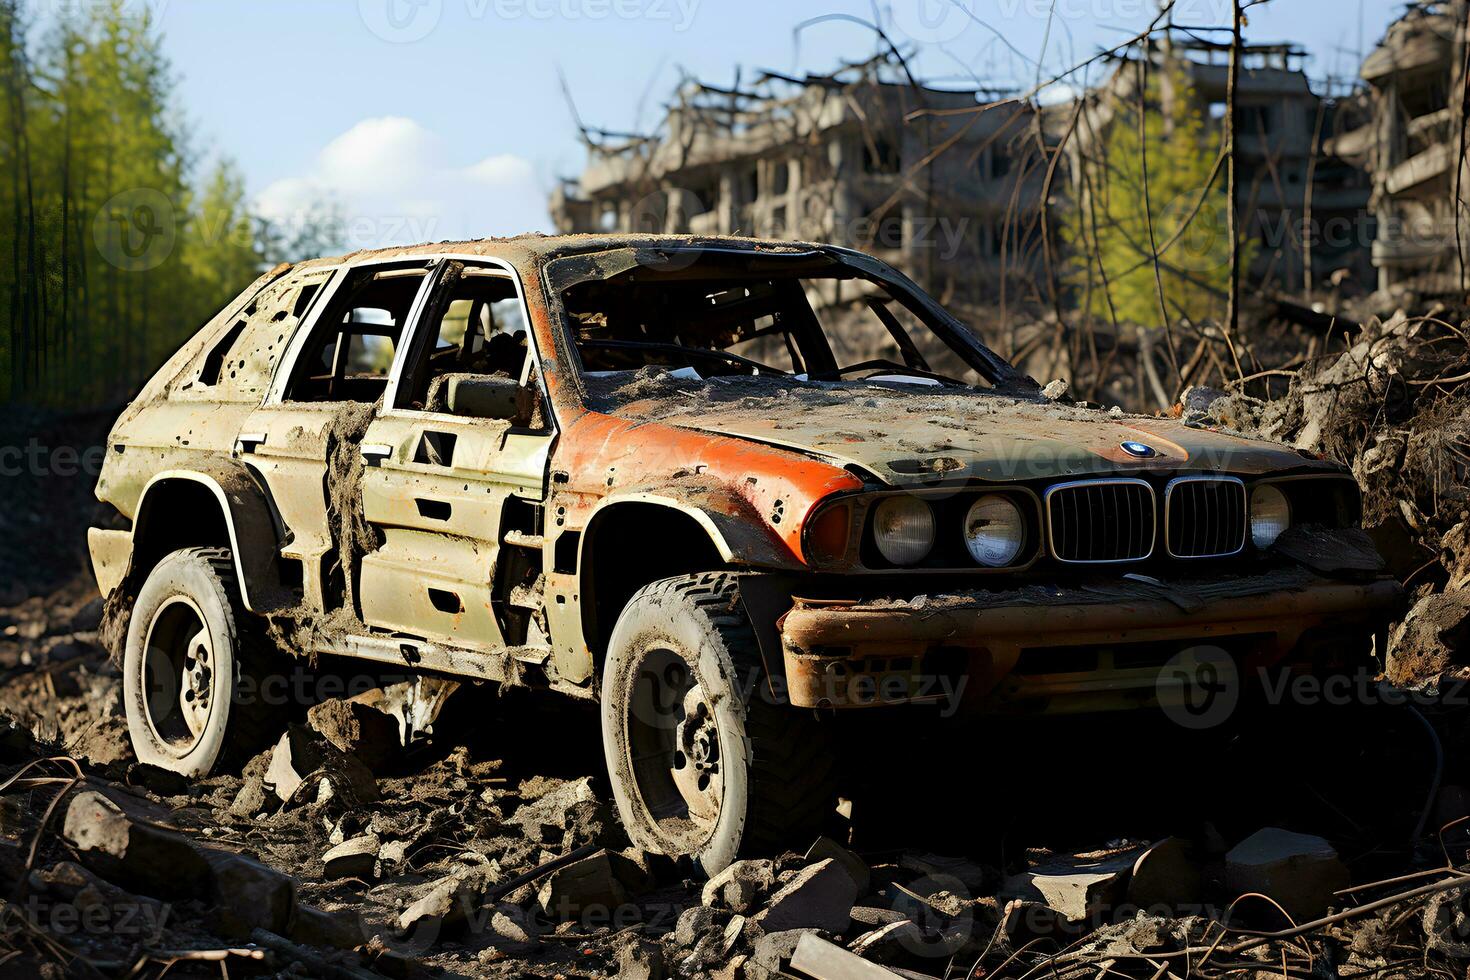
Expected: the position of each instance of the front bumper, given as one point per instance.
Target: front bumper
(1088, 646)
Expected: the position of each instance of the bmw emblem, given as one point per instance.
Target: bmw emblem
(1140, 450)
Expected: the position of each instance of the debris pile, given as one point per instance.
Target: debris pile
(1394, 407)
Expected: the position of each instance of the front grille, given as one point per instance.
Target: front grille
(1101, 521)
(1205, 516)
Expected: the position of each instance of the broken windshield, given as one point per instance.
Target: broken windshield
(713, 314)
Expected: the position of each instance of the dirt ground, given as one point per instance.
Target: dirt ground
(1320, 839)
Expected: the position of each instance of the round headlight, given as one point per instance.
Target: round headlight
(994, 531)
(903, 528)
(1270, 515)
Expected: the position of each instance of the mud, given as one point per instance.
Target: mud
(353, 536)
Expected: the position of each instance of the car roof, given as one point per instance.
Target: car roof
(535, 248)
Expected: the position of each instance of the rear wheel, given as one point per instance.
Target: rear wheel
(703, 762)
(189, 642)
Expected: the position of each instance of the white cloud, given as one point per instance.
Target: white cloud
(394, 183)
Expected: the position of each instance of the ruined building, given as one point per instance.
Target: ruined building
(917, 175)
(1412, 142)
(1286, 182)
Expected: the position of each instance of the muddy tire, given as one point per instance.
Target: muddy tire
(702, 760)
(189, 642)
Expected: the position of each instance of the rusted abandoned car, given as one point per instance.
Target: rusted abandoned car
(729, 489)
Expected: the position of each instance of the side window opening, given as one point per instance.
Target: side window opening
(474, 328)
(242, 362)
(351, 350)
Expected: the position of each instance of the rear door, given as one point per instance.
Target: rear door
(302, 439)
(455, 500)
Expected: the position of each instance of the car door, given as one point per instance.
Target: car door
(454, 490)
(314, 416)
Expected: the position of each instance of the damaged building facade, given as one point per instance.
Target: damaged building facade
(916, 175)
(1302, 206)
(1411, 141)
(947, 185)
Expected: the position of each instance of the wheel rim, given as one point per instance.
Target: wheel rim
(674, 749)
(178, 675)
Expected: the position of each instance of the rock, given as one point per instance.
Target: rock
(248, 895)
(125, 914)
(587, 887)
(446, 904)
(354, 858)
(971, 877)
(305, 767)
(856, 867)
(739, 886)
(251, 799)
(1434, 636)
(338, 930)
(1077, 888)
(818, 897)
(512, 926)
(545, 818)
(886, 943)
(1299, 872)
(393, 854)
(641, 959)
(771, 952)
(873, 918)
(816, 957)
(134, 854)
(1164, 878)
(1055, 391)
(357, 727)
(694, 924)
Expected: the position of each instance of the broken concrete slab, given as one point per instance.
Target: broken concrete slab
(818, 897)
(739, 886)
(305, 767)
(973, 878)
(137, 855)
(547, 816)
(593, 885)
(445, 905)
(1165, 877)
(771, 952)
(338, 930)
(641, 959)
(1077, 888)
(356, 857)
(247, 895)
(1300, 872)
(358, 727)
(856, 867)
(693, 924)
(822, 960)
(889, 941)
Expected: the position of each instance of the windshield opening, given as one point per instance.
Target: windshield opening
(721, 315)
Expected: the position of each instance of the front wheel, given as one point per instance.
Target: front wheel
(189, 640)
(702, 760)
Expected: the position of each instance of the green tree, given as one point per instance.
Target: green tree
(1183, 196)
(221, 252)
(112, 249)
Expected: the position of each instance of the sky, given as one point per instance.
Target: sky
(435, 119)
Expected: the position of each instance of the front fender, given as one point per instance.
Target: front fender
(736, 530)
